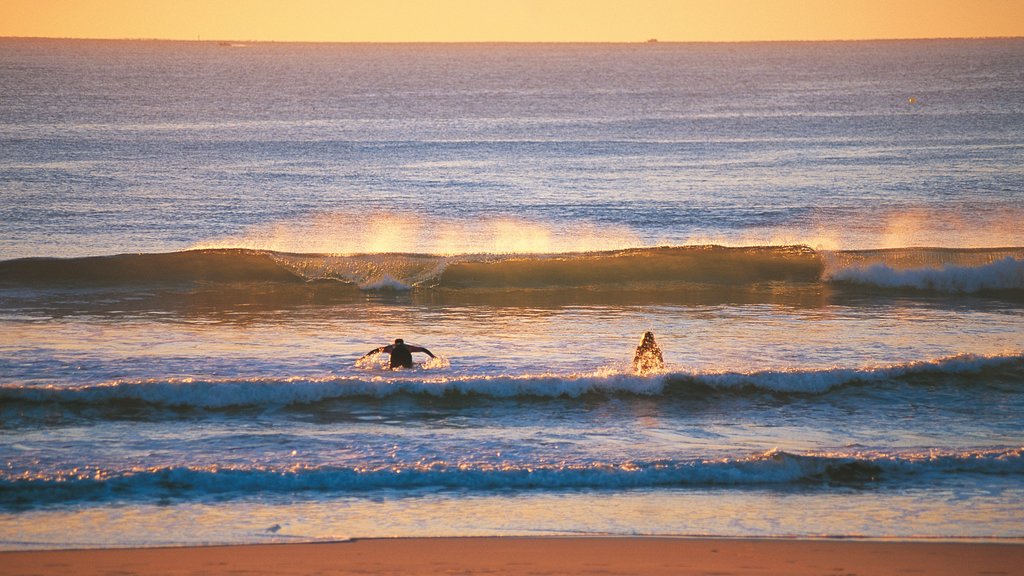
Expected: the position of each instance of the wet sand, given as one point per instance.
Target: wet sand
(597, 555)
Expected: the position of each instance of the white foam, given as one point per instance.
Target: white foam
(438, 362)
(808, 381)
(385, 283)
(380, 364)
(211, 393)
(1005, 274)
(771, 467)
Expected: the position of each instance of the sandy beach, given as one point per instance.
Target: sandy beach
(596, 555)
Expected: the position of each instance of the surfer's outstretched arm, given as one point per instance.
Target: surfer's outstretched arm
(421, 349)
(375, 351)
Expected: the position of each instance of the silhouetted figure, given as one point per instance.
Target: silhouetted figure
(648, 356)
(401, 353)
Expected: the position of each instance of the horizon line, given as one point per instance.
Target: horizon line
(397, 42)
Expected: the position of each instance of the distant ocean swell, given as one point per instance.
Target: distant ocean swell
(772, 467)
(218, 394)
(933, 269)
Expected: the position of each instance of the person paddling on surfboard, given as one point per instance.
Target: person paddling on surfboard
(648, 356)
(401, 353)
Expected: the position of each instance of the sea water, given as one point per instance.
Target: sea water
(199, 241)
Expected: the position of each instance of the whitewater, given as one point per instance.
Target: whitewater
(199, 243)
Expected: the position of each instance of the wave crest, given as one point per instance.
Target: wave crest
(654, 268)
(219, 394)
(399, 271)
(767, 468)
(942, 270)
(1005, 274)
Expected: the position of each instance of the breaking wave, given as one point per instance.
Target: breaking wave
(1002, 275)
(219, 394)
(933, 269)
(773, 467)
(402, 271)
(939, 270)
(188, 266)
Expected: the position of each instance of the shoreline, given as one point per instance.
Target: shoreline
(516, 555)
(291, 541)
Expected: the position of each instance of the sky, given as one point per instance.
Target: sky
(512, 20)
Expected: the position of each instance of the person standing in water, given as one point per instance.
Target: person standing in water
(648, 356)
(401, 353)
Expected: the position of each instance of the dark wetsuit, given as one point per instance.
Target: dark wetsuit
(401, 353)
(401, 356)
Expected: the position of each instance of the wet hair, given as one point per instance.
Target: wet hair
(399, 341)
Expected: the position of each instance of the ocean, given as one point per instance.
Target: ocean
(199, 241)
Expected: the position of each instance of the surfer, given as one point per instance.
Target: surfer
(401, 353)
(648, 356)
